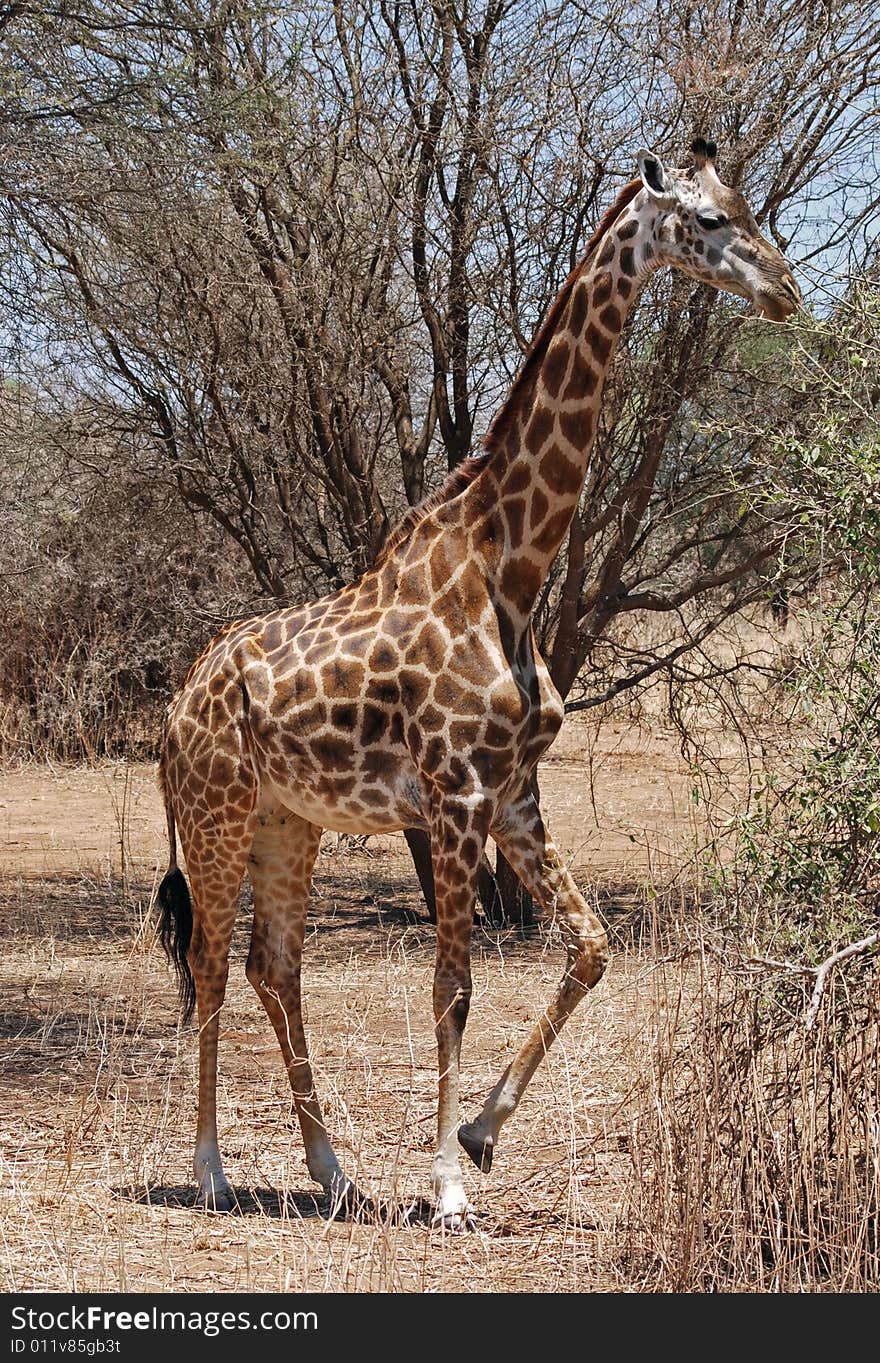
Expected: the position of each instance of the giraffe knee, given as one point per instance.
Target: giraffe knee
(268, 972)
(592, 959)
(452, 1004)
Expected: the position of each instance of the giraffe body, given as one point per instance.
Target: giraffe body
(380, 708)
(416, 698)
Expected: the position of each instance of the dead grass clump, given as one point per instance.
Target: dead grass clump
(755, 1139)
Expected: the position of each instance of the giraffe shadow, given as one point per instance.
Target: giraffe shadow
(267, 1202)
(248, 1201)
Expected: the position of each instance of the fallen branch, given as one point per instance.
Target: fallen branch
(824, 970)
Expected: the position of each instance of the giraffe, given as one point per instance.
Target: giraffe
(416, 697)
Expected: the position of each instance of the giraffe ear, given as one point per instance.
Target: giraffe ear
(655, 176)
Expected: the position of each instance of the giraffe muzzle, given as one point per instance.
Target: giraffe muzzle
(781, 301)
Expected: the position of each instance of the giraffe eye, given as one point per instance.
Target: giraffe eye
(709, 221)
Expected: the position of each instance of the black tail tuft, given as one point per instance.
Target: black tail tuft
(175, 931)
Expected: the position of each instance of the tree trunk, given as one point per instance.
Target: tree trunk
(517, 905)
(502, 897)
(419, 845)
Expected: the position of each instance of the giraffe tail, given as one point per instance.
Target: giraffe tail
(175, 912)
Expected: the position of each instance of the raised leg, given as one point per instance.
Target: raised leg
(523, 838)
(458, 835)
(280, 868)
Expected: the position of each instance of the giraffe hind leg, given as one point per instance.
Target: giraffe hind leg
(215, 824)
(280, 868)
(215, 902)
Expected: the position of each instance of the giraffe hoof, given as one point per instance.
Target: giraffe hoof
(479, 1148)
(457, 1223)
(350, 1204)
(217, 1199)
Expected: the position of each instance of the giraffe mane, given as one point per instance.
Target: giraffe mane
(461, 477)
(464, 473)
(524, 380)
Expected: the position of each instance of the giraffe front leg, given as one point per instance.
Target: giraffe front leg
(523, 838)
(458, 836)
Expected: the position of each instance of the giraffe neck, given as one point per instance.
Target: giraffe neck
(540, 443)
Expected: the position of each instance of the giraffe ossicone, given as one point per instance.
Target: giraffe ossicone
(416, 697)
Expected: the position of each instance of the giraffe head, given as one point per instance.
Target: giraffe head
(707, 229)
